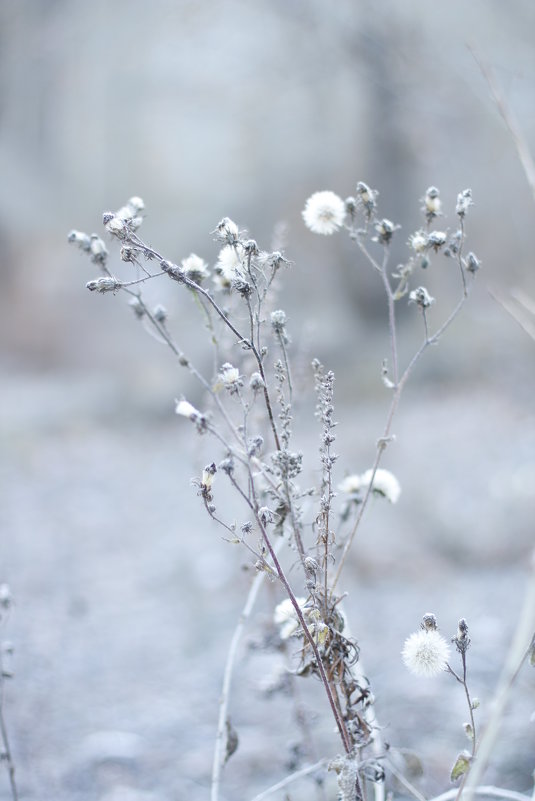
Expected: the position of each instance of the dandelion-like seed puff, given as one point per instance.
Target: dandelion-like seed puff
(425, 653)
(324, 213)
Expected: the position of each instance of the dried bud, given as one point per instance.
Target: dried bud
(255, 446)
(436, 240)
(227, 230)
(461, 639)
(250, 247)
(115, 226)
(278, 321)
(311, 565)
(432, 203)
(80, 239)
(127, 253)
(185, 409)
(429, 622)
(421, 297)
(99, 252)
(385, 230)
(351, 206)
(137, 307)
(104, 284)
(464, 201)
(227, 466)
(367, 198)
(256, 382)
(160, 314)
(472, 263)
(207, 478)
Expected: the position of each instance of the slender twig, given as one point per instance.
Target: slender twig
(522, 148)
(486, 790)
(518, 652)
(293, 777)
(7, 756)
(403, 780)
(227, 681)
(383, 441)
(527, 325)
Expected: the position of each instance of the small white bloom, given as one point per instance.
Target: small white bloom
(230, 377)
(351, 484)
(432, 202)
(385, 483)
(324, 212)
(286, 618)
(229, 264)
(464, 201)
(425, 653)
(195, 268)
(418, 241)
(185, 409)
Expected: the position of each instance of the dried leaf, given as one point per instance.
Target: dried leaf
(232, 741)
(461, 766)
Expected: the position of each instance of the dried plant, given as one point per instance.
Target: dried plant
(248, 412)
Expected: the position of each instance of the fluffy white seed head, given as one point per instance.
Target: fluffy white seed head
(385, 483)
(324, 213)
(285, 617)
(425, 653)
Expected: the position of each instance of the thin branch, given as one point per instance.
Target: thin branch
(227, 680)
(299, 774)
(522, 149)
(518, 652)
(488, 791)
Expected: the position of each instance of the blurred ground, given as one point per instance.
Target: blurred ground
(125, 596)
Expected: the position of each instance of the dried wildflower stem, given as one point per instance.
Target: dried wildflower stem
(6, 750)
(329, 688)
(404, 781)
(328, 684)
(293, 777)
(488, 791)
(398, 390)
(162, 331)
(174, 272)
(462, 680)
(522, 149)
(527, 325)
(227, 682)
(518, 652)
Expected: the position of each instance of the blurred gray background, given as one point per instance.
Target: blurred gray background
(125, 595)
